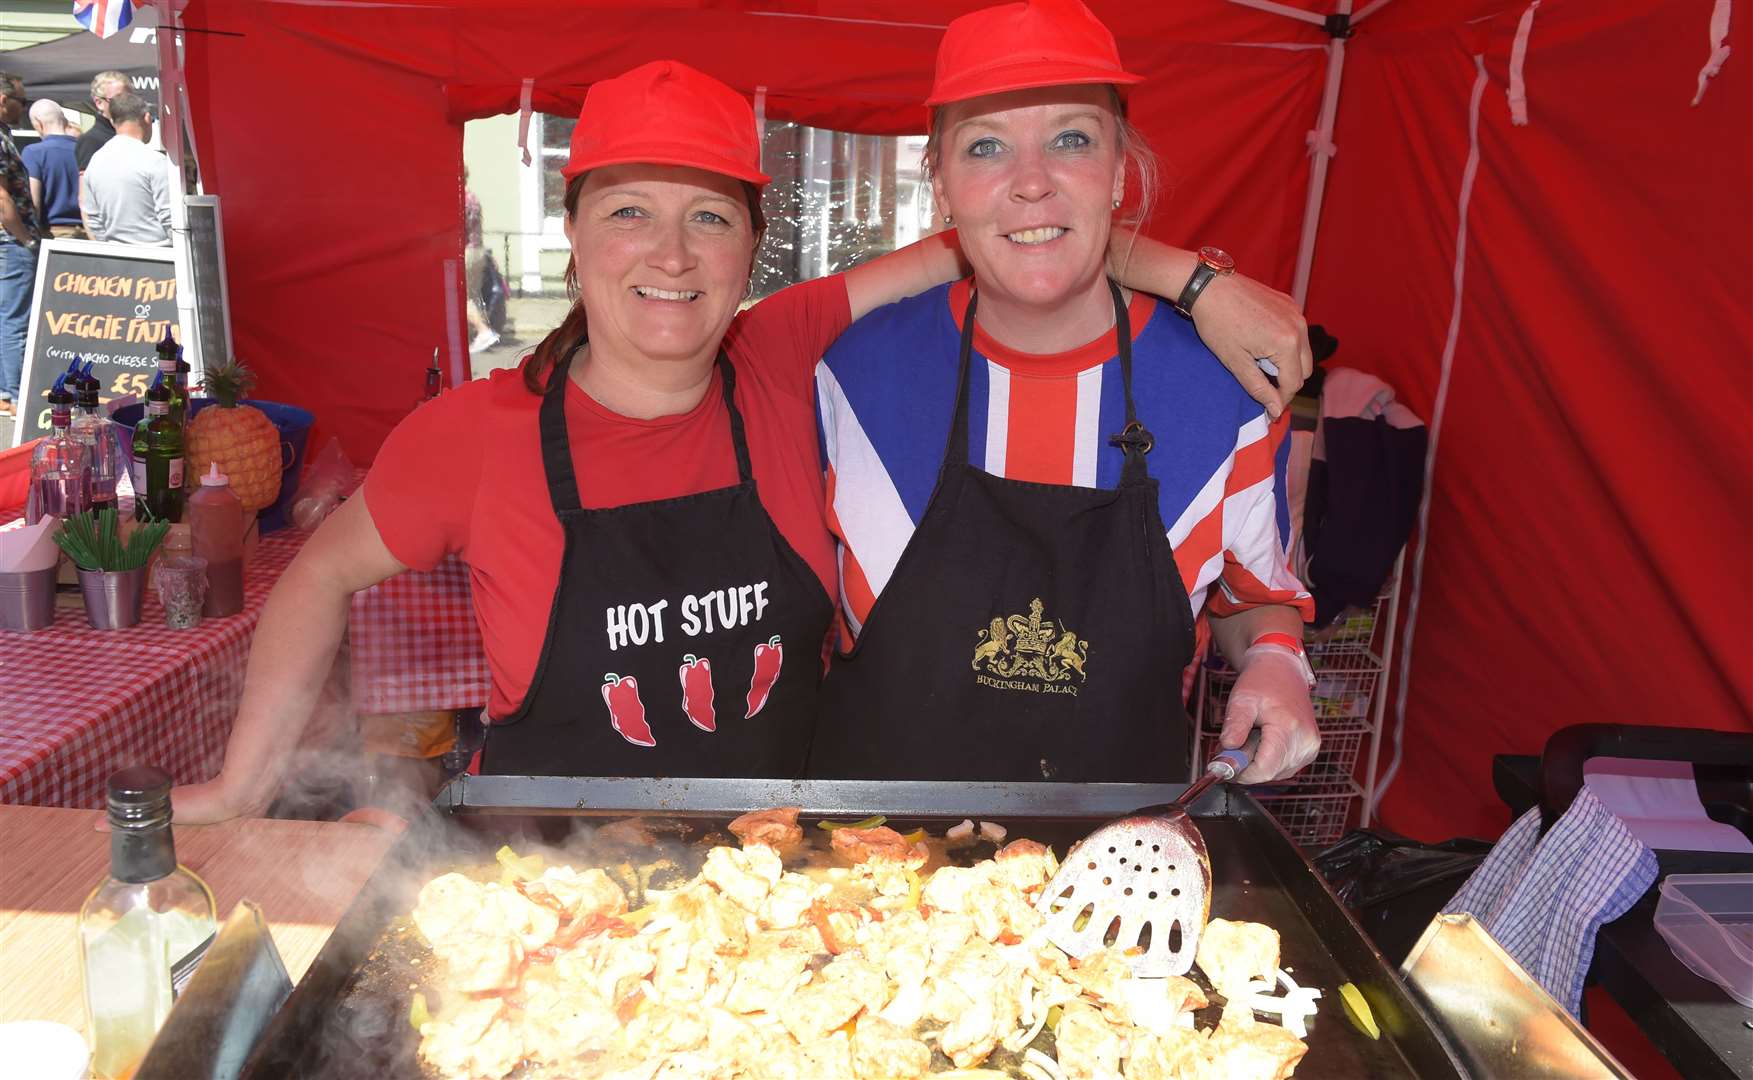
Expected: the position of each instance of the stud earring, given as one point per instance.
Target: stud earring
(949, 219)
(1116, 204)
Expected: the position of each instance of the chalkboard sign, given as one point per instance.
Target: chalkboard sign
(108, 303)
(206, 253)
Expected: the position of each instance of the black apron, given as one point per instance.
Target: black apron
(1029, 631)
(685, 637)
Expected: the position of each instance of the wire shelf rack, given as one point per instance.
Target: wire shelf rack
(1314, 815)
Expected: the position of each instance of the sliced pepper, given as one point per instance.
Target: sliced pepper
(1359, 1010)
(868, 823)
(526, 868)
(914, 888)
(418, 1014)
(917, 836)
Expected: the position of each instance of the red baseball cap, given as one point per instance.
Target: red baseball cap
(1019, 46)
(666, 113)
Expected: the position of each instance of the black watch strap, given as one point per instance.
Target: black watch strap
(1202, 275)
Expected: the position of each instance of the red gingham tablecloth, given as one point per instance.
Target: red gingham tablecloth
(415, 645)
(76, 703)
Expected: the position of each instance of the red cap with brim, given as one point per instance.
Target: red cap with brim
(1021, 46)
(666, 113)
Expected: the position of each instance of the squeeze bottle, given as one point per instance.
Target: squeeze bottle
(215, 516)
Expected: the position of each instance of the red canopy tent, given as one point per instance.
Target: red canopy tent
(1568, 299)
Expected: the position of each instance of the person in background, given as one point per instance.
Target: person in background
(54, 173)
(126, 189)
(104, 86)
(20, 232)
(474, 265)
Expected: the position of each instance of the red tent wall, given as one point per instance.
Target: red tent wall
(338, 224)
(1594, 477)
(1592, 493)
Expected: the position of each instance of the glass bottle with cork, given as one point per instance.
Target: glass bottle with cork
(60, 466)
(98, 434)
(216, 522)
(144, 929)
(158, 458)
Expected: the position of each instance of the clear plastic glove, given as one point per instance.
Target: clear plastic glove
(1243, 322)
(1272, 693)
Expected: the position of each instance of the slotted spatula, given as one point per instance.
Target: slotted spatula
(1141, 883)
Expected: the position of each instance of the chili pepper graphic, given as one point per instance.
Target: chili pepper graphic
(768, 657)
(696, 676)
(626, 711)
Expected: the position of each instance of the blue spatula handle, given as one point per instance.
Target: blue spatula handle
(1229, 764)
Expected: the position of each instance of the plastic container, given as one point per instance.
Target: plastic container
(1707, 920)
(294, 424)
(216, 522)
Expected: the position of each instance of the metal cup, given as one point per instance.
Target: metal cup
(112, 597)
(182, 587)
(27, 599)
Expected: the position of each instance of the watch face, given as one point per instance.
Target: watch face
(1218, 259)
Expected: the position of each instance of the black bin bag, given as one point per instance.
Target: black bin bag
(1393, 884)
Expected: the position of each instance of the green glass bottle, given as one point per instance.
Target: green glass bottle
(158, 458)
(169, 362)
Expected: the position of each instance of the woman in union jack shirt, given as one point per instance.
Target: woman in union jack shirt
(1035, 478)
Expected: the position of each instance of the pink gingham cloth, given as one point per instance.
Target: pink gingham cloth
(415, 646)
(76, 703)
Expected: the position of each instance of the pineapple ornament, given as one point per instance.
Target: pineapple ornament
(239, 438)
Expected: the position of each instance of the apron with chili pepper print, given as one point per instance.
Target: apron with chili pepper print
(685, 637)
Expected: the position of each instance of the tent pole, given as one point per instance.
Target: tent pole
(1322, 149)
(1289, 12)
(172, 103)
(1320, 139)
(170, 100)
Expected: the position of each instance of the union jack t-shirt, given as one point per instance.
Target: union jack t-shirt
(887, 388)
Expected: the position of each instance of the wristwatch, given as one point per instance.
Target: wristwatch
(1213, 262)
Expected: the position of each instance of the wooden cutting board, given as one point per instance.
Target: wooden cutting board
(303, 874)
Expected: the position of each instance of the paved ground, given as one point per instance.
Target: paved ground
(528, 320)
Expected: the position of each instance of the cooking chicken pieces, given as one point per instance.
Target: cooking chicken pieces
(872, 970)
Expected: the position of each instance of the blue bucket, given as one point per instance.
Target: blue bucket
(294, 424)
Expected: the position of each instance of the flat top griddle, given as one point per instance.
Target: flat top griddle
(349, 1016)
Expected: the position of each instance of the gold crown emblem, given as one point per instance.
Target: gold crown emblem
(1030, 649)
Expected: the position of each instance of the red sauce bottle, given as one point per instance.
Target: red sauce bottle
(215, 517)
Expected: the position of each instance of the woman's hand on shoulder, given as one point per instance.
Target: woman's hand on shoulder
(1242, 321)
(1239, 319)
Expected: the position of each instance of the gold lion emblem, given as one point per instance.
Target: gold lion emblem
(1031, 647)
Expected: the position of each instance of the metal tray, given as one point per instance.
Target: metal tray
(349, 1016)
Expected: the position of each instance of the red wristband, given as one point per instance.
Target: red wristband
(1289, 641)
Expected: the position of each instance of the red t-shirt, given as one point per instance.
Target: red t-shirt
(463, 474)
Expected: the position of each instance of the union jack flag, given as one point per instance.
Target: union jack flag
(104, 17)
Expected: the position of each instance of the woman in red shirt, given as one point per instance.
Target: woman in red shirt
(641, 508)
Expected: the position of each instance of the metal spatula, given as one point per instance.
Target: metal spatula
(1141, 883)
